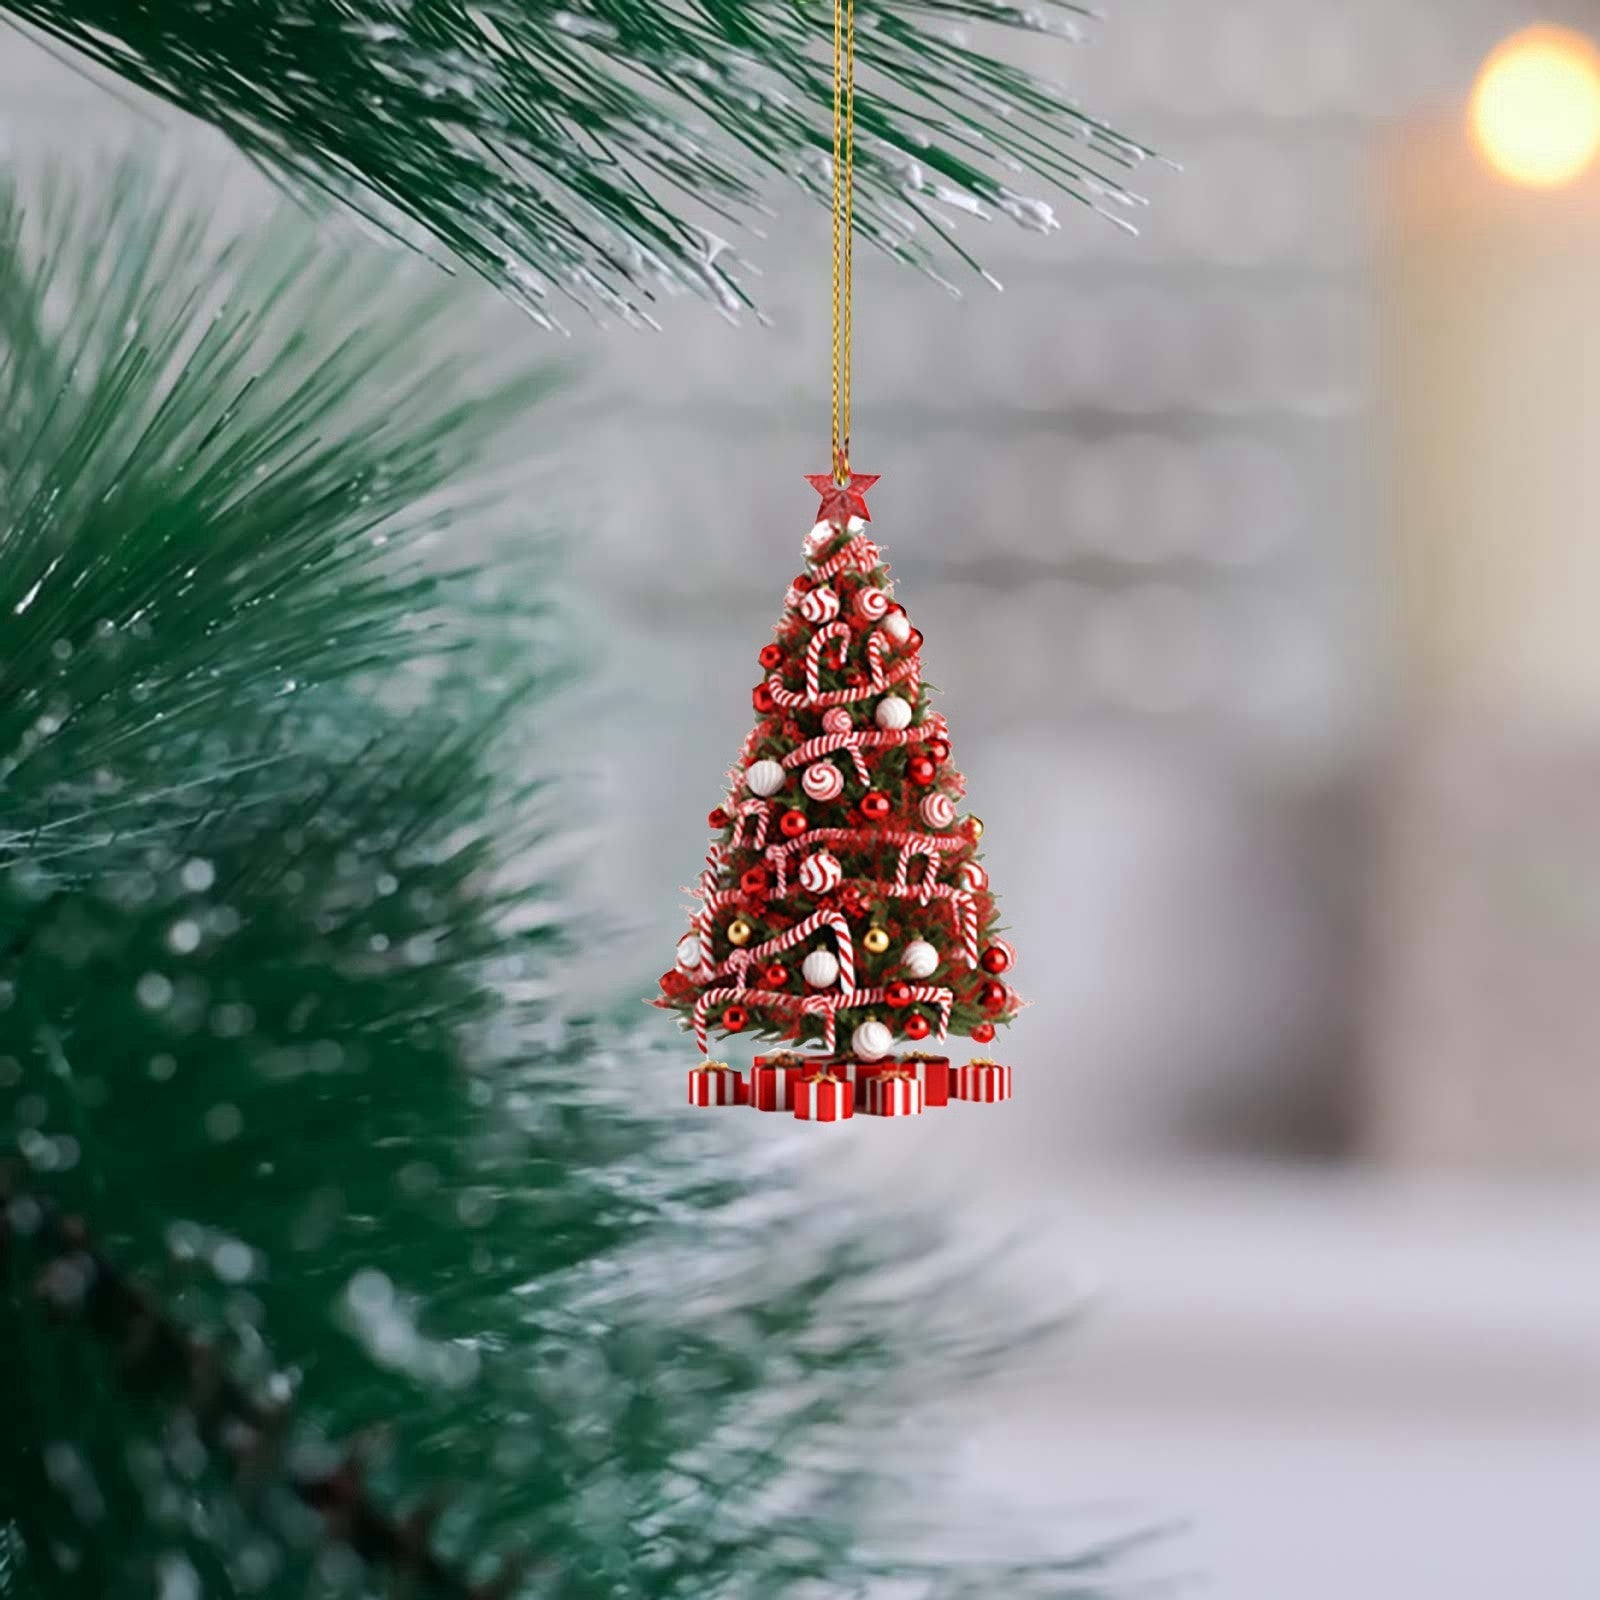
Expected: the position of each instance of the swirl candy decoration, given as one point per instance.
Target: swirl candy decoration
(872, 605)
(822, 781)
(938, 810)
(821, 605)
(821, 873)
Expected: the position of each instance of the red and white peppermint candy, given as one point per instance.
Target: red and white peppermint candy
(872, 605)
(821, 605)
(820, 872)
(823, 781)
(938, 810)
(972, 876)
(836, 720)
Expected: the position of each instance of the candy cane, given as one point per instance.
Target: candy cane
(761, 810)
(825, 1006)
(863, 739)
(930, 877)
(819, 641)
(849, 836)
(902, 671)
(861, 553)
(798, 934)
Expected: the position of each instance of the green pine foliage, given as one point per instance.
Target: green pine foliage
(585, 152)
(333, 1260)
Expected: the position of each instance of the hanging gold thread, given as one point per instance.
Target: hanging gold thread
(844, 160)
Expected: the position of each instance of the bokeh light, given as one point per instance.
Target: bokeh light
(1536, 107)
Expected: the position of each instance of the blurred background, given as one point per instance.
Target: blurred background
(1257, 561)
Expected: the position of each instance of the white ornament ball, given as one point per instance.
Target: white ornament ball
(689, 952)
(872, 1041)
(972, 875)
(823, 781)
(919, 959)
(872, 605)
(763, 778)
(821, 605)
(820, 873)
(938, 810)
(836, 720)
(821, 536)
(892, 714)
(820, 969)
(897, 627)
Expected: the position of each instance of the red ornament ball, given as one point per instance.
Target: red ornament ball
(754, 880)
(803, 583)
(735, 1017)
(771, 656)
(939, 749)
(916, 1026)
(897, 994)
(996, 959)
(674, 983)
(914, 643)
(875, 805)
(718, 818)
(776, 976)
(983, 1033)
(992, 995)
(922, 769)
(792, 824)
(761, 699)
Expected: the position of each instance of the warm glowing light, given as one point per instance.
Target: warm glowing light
(1536, 107)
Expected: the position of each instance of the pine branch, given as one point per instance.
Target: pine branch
(584, 151)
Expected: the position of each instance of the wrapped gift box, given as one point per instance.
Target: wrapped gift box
(982, 1079)
(823, 1097)
(772, 1088)
(934, 1073)
(894, 1093)
(715, 1083)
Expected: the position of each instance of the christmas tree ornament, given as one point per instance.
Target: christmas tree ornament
(875, 805)
(689, 952)
(820, 873)
(822, 781)
(892, 714)
(820, 969)
(844, 718)
(975, 827)
(998, 958)
(718, 818)
(872, 1041)
(763, 778)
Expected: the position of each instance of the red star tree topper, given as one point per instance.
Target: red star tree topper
(843, 885)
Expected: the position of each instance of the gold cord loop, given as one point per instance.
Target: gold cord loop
(844, 160)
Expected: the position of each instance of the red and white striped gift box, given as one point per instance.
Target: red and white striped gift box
(772, 1088)
(715, 1083)
(935, 1074)
(823, 1098)
(983, 1080)
(894, 1094)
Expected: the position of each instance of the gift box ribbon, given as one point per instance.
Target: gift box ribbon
(713, 1066)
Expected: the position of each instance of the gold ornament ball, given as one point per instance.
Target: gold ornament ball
(739, 932)
(976, 825)
(875, 940)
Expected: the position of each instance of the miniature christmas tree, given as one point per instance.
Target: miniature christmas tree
(843, 901)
